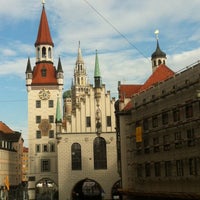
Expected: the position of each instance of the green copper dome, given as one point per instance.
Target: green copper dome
(67, 94)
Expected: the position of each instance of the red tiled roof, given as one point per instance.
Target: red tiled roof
(44, 35)
(5, 129)
(50, 77)
(160, 74)
(128, 106)
(126, 91)
(25, 149)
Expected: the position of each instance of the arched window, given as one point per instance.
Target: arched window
(43, 52)
(154, 62)
(159, 62)
(49, 52)
(100, 155)
(76, 156)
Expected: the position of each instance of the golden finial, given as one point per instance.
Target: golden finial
(43, 2)
(156, 33)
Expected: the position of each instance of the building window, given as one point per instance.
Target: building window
(146, 145)
(178, 139)
(190, 137)
(37, 148)
(108, 120)
(188, 111)
(155, 121)
(145, 124)
(179, 168)
(45, 165)
(51, 134)
(88, 122)
(176, 115)
(50, 103)
(43, 52)
(165, 118)
(76, 156)
(166, 143)
(49, 52)
(52, 147)
(168, 168)
(193, 166)
(38, 104)
(45, 148)
(157, 168)
(51, 119)
(100, 154)
(139, 170)
(147, 170)
(156, 144)
(43, 72)
(38, 134)
(38, 119)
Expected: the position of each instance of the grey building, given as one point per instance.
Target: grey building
(159, 128)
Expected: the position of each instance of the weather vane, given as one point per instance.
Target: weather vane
(156, 33)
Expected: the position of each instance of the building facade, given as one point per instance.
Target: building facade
(87, 156)
(25, 165)
(159, 134)
(11, 146)
(72, 155)
(44, 85)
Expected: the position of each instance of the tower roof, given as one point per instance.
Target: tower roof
(97, 69)
(59, 69)
(28, 67)
(158, 53)
(44, 35)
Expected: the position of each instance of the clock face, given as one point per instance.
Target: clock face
(44, 94)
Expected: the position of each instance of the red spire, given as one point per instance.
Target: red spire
(44, 35)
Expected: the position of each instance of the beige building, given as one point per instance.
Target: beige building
(158, 124)
(25, 165)
(87, 156)
(44, 85)
(11, 146)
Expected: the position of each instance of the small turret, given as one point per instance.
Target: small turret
(60, 76)
(97, 74)
(29, 74)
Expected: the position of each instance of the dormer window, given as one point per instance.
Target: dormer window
(43, 52)
(43, 72)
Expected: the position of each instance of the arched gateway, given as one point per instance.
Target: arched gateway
(87, 189)
(46, 189)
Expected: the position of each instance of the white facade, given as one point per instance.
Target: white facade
(94, 105)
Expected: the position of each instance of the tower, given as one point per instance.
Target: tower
(80, 85)
(158, 57)
(44, 85)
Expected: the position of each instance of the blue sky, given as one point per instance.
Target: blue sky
(94, 24)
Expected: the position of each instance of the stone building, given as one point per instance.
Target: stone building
(159, 128)
(71, 154)
(44, 85)
(87, 156)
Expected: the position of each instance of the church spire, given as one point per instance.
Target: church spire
(79, 59)
(97, 74)
(58, 112)
(158, 57)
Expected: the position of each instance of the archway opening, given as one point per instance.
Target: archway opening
(46, 189)
(87, 189)
(115, 192)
